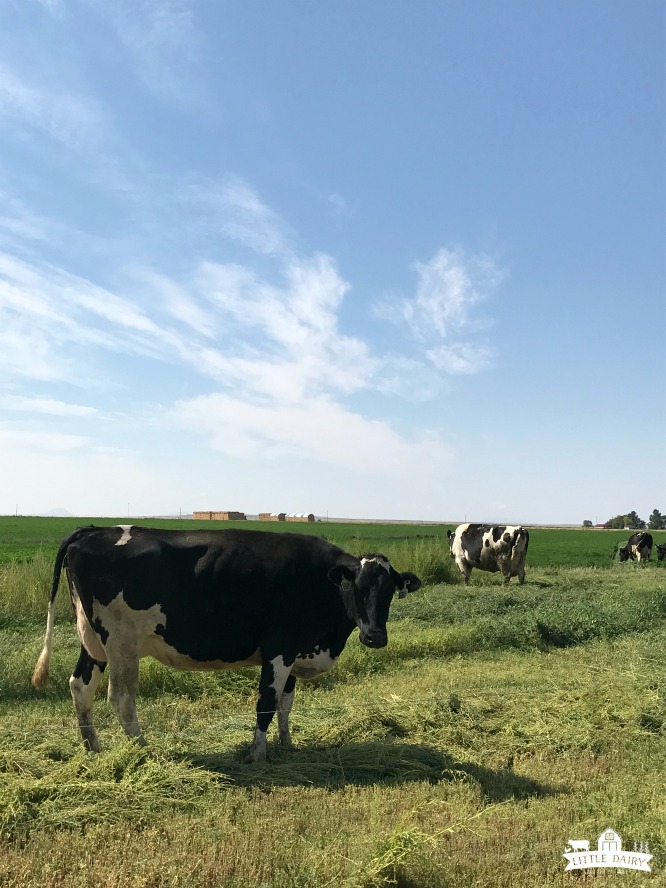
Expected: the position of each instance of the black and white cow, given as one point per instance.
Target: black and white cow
(637, 548)
(214, 600)
(661, 551)
(490, 547)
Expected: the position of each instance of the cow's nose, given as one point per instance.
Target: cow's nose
(375, 638)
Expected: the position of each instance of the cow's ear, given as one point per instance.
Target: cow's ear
(342, 577)
(410, 583)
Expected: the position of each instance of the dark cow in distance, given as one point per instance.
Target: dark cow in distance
(637, 548)
(490, 547)
(216, 599)
(661, 551)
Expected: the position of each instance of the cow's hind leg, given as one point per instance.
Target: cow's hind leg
(82, 685)
(123, 684)
(274, 676)
(284, 708)
(465, 570)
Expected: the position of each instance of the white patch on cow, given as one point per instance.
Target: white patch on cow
(155, 646)
(126, 537)
(87, 635)
(311, 665)
(129, 626)
(383, 562)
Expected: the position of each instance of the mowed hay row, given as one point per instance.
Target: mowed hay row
(470, 771)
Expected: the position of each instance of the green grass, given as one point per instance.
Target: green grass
(21, 538)
(498, 723)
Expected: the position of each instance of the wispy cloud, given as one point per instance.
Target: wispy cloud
(233, 209)
(45, 310)
(162, 41)
(320, 430)
(445, 313)
(49, 406)
(302, 350)
(64, 117)
(18, 439)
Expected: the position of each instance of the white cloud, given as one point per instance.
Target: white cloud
(445, 312)
(44, 310)
(232, 208)
(22, 440)
(319, 430)
(461, 358)
(64, 117)
(162, 42)
(49, 406)
(302, 344)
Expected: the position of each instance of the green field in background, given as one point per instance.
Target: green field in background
(22, 537)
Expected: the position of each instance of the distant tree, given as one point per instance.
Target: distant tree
(634, 522)
(618, 522)
(587, 523)
(657, 521)
(631, 521)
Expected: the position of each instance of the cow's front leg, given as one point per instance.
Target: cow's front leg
(273, 680)
(284, 708)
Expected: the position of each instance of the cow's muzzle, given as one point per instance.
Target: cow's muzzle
(374, 638)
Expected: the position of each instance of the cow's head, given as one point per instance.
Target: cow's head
(367, 590)
(624, 553)
(451, 535)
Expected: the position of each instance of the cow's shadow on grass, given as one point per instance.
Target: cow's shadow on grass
(365, 764)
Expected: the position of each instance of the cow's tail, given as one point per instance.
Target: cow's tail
(40, 676)
(521, 535)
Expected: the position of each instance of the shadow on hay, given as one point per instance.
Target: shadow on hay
(366, 764)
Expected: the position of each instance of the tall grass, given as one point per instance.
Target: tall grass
(25, 588)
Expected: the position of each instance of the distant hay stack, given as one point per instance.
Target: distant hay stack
(287, 516)
(219, 516)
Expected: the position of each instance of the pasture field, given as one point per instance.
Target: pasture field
(21, 537)
(499, 723)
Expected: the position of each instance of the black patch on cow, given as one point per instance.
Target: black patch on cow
(506, 537)
(497, 533)
(85, 665)
(100, 630)
(487, 543)
(471, 540)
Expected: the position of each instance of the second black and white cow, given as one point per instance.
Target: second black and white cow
(661, 551)
(214, 600)
(490, 547)
(637, 548)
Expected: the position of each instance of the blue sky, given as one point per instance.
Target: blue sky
(365, 259)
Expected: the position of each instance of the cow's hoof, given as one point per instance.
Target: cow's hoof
(251, 759)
